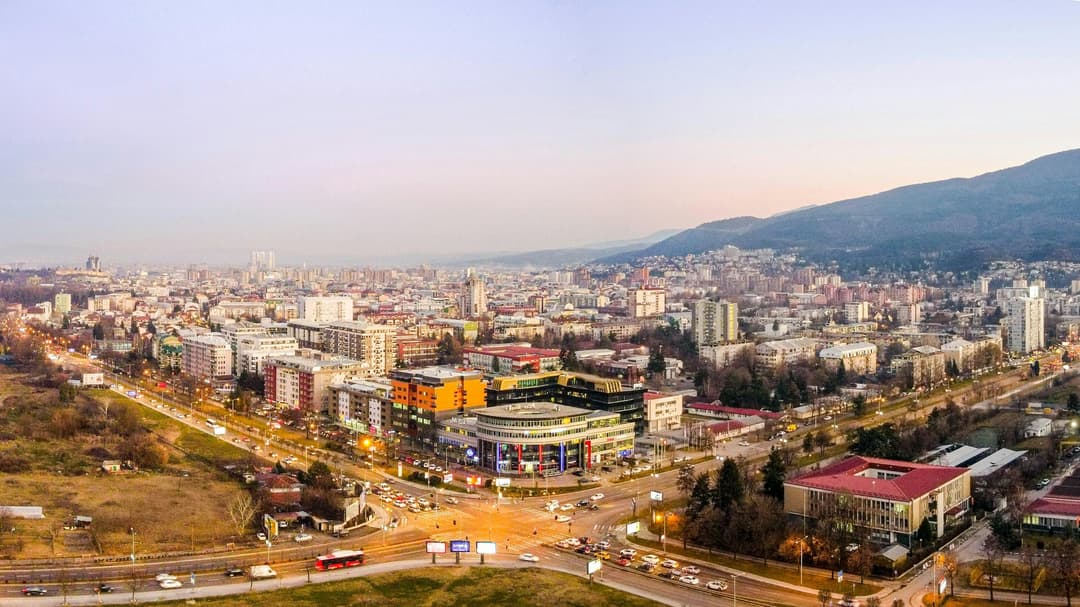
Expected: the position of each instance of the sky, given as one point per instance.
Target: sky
(359, 131)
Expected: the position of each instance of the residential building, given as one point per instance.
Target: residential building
(714, 322)
(573, 389)
(327, 308)
(374, 345)
(548, 438)
(234, 331)
(168, 350)
(424, 396)
(473, 296)
(308, 333)
(886, 500)
(663, 412)
(510, 359)
(62, 303)
(723, 355)
(252, 351)
(924, 365)
(262, 261)
(960, 352)
(775, 354)
(858, 358)
(856, 312)
(414, 351)
(1025, 324)
(207, 356)
(363, 405)
(641, 303)
(302, 381)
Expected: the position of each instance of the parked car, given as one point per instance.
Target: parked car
(161, 577)
(450, 500)
(743, 443)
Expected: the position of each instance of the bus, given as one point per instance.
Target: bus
(339, 559)
(211, 422)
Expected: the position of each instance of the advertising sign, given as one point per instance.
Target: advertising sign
(656, 496)
(593, 566)
(448, 478)
(459, 545)
(485, 547)
(470, 453)
(502, 482)
(270, 525)
(633, 527)
(436, 547)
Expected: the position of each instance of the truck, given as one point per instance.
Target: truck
(219, 430)
(262, 572)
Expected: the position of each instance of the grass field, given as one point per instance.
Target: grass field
(444, 587)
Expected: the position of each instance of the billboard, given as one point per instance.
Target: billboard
(270, 525)
(485, 547)
(633, 527)
(436, 547)
(593, 566)
(459, 545)
(448, 478)
(502, 482)
(656, 496)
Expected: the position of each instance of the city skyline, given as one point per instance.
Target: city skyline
(200, 132)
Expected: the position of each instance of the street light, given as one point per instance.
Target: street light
(132, 529)
(734, 589)
(802, 549)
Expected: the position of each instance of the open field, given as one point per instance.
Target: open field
(179, 506)
(444, 587)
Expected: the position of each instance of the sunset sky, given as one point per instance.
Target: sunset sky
(358, 131)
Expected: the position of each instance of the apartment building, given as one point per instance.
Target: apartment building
(252, 351)
(1025, 324)
(374, 345)
(207, 356)
(775, 354)
(363, 405)
(714, 322)
(302, 381)
(510, 359)
(641, 303)
(325, 308)
(858, 358)
(307, 333)
(663, 412)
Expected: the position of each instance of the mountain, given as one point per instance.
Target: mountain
(1029, 212)
(570, 256)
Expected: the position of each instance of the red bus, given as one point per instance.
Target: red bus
(339, 559)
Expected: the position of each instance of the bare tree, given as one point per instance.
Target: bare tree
(1067, 568)
(241, 512)
(950, 566)
(992, 553)
(1030, 565)
(824, 596)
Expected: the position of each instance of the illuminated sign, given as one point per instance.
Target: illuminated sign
(459, 545)
(436, 547)
(633, 527)
(502, 482)
(448, 478)
(485, 547)
(656, 496)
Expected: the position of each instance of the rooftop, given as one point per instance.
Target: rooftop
(533, 410)
(859, 475)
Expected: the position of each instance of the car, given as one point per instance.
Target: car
(827, 418)
(852, 547)
(261, 536)
(173, 583)
(161, 577)
(624, 562)
(303, 537)
(583, 504)
(597, 496)
(646, 567)
(566, 507)
(594, 478)
(594, 507)
(603, 555)
(670, 564)
(1044, 482)
(34, 591)
(743, 443)
(583, 550)
(669, 575)
(690, 579)
(716, 585)
(562, 544)
(562, 518)
(690, 570)
(652, 559)
(450, 500)
(104, 588)
(532, 558)
(628, 553)
(234, 572)
(603, 544)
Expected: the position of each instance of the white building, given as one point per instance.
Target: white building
(663, 411)
(207, 356)
(253, 350)
(1025, 324)
(714, 322)
(774, 354)
(961, 352)
(646, 302)
(856, 312)
(473, 296)
(329, 308)
(371, 344)
(858, 358)
(723, 355)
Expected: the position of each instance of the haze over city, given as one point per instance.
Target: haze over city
(195, 131)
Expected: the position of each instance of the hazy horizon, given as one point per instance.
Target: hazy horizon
(196, 131)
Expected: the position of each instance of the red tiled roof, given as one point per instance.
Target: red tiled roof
(915, 481)
(726, 426)
(734, 410)
(1055, 505)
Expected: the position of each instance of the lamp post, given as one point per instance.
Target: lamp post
(734, 589)
(132, 564)
(802, 549)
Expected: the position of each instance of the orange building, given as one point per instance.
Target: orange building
(423, 396)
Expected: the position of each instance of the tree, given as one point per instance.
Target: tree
(686, 481)
(992, 552)
(657, 364)
(1035, 368)
(924, 533)
(808, 443)
(950, 566)
(858, 405)
(1073, 403)
(773, 475)
(729, 488)
(1066, 567)
(494, 364)
(700, 495)
(319, 476)
(822, 440)
(825, 596)
(241, 512)
(1005, 532)
(1030, 565)
(99, 331)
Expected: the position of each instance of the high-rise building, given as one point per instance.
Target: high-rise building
(1025, 324)
(714, 322)
(646, 302)
(207, 356)
(330, 308)
(93, 263)
(62, 303)
(303, 381)
(252, 351)
(371, 344)
(473, 296)
(856, 312)
(262, 261)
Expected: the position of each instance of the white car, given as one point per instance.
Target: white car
(628, 553)
(532, 558)
(450, 500)
(174, 583)
(670, 564)
(717, 585)
(562, 518)
(161, 577)
(690, 570)
(651, 559)
(573, 541)
(303, 537)
(566, 507)
(597, 496)
(743, 443)
(689, 579)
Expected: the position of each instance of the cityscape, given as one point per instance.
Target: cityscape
(400, 312)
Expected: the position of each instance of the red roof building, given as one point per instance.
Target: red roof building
(887, 499)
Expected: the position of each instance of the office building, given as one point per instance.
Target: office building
(424, 396)
(573, 389)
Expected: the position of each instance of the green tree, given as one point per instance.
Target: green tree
(808, 443)
(822, 440)
(924, 533)
(99, 331)
(729, 488)
(773, 475)
(494, 364)
(700, 496)
(656, 361)
(319, 476)
(858, 405)
(1074, 402)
